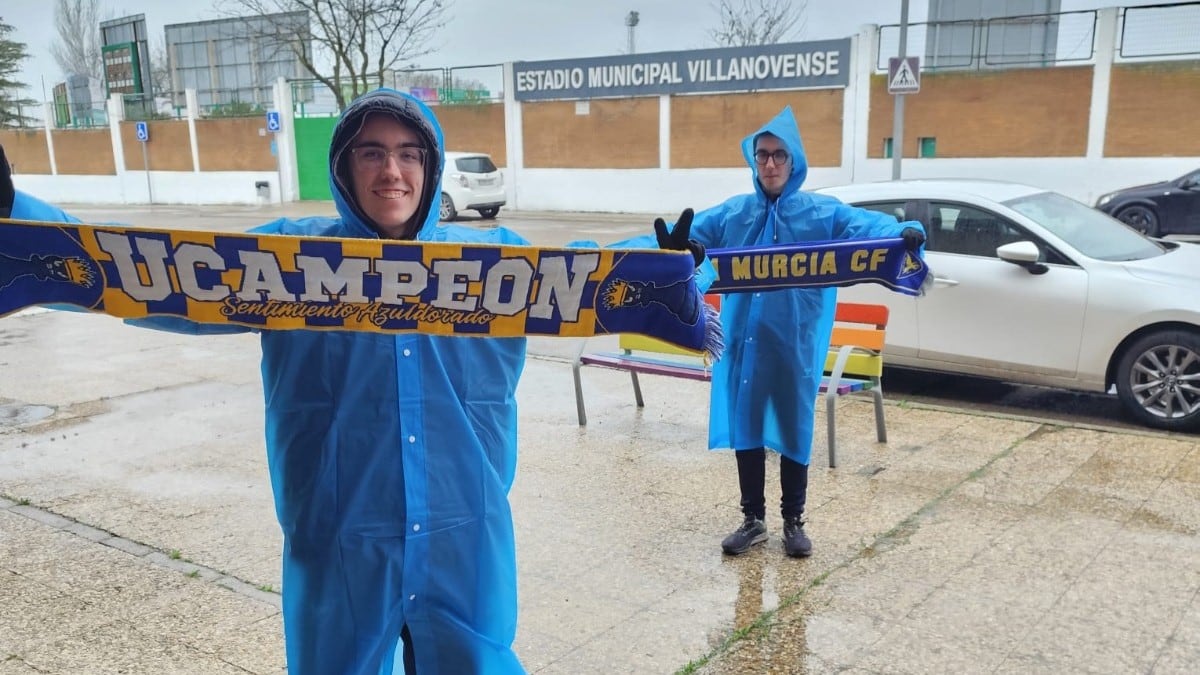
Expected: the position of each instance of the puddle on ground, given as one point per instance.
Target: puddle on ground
(20, 414)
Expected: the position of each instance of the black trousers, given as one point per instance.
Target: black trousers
(752, 478)
(410, 658)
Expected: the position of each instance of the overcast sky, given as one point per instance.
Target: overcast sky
(495, 31)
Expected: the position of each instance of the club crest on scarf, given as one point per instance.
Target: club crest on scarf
(72, 270)
(675, 297)
(53, 262)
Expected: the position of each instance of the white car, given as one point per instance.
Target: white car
(471, 181)
(1033, 287)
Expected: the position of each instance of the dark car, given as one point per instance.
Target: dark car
(1158, 209)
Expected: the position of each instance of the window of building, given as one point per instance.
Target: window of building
(927, 146)
(887, 148)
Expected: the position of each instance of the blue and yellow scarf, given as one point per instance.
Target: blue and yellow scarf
(277, 282)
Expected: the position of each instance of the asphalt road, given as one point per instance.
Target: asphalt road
(558, 229)
(960, 391)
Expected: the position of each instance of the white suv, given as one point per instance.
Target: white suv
(471, 181)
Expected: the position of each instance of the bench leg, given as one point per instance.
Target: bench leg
(579, 395)
(880, 427)
(637, 390)
(831, 426)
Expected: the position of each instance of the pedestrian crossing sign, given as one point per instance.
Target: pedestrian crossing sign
(904, 75)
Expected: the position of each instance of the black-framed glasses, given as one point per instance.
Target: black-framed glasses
(780, 156)
(374, 157)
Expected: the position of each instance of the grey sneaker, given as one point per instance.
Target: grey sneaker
(795, 542)
(751, 532)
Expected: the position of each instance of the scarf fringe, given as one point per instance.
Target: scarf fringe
(714, 334)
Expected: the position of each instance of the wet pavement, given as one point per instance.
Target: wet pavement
(137, 533)
(1076, 408)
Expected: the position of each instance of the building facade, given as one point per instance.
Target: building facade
(233, 63)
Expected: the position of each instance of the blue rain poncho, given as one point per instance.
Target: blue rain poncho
(391, 459)
(764, 387)
(27, 207)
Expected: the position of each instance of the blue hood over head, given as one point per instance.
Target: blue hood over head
(783, 127)
(407, 111)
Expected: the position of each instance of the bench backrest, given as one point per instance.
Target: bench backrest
(858, 324)
(861, 325)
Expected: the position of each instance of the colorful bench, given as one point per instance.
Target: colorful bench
(854, 363)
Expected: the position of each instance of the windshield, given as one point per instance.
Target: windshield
(481, 164)
(1089, 231)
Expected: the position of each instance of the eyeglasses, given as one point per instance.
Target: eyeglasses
(374, 157)
(780, 156)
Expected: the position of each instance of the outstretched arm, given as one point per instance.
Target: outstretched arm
(22, 206)
(851, 222)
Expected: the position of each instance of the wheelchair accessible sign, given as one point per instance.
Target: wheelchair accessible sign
(273, 121)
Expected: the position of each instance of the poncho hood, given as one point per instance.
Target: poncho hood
(407, 111)
(784, 127)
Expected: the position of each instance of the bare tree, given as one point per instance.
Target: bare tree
(160, 67)
(744, 23)
(361, 40)
(77, 50)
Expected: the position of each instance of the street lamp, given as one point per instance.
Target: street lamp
(631, 20)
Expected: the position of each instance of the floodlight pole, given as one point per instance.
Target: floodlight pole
(898, 114)
(631, 20)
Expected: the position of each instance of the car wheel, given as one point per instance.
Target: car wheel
(489, 213)
(1141, 218)
(1158, 380)
(447, 212)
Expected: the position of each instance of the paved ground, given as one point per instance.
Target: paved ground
(137, 533)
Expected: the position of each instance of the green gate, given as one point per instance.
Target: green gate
(313, 135)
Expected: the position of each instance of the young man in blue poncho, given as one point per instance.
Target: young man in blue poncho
(391, 457)
(764, 388)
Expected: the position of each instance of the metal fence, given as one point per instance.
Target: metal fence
(1150, 31)
(464, 85)
(138, 107)
(1000, 42)
(1160, 30)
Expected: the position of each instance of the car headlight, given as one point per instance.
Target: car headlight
(1104, 199)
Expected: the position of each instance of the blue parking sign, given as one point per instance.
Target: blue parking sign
(273, 120)
(143, 132)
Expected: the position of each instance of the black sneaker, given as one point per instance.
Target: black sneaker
(795, 542)
(752, 532)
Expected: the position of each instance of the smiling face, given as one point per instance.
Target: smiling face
(773, 174)
(389, 193)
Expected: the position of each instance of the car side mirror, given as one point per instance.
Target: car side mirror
(1024, 254)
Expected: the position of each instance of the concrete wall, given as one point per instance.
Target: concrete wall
(1080, 129)
(599, 134)
(1036, 112)
(474, 128)
(1050, 127)
(707, 130)
(165, 187)
(1154, 109)
(191, 161)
